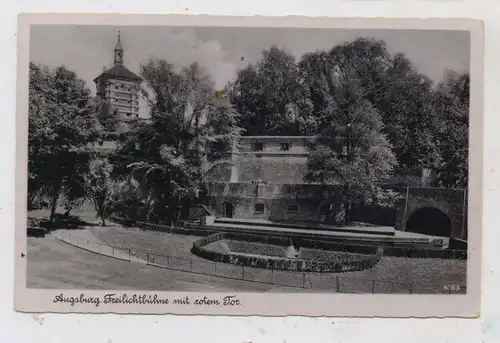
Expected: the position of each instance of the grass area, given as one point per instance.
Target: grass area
(49, 266)
(392, 274)
(54, 265)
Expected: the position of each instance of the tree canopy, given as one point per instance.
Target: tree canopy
(62, 122)
(271, 96)
(351, 152)
(373, 113)
(190, 133)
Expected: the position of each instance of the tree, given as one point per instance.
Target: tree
(401, 95)
(367, 60)
(271, 96)
(61, 124)
(107, 118)
(351, 153)
(190, 132)
(404, 98)
(451, 107)
(99, 187)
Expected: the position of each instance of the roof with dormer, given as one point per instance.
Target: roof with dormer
(119, 72)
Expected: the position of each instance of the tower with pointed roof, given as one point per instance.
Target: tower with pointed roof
(120, 87)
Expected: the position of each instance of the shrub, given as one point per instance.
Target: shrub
(351, 263)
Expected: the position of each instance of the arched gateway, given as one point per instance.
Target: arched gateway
(429, 221)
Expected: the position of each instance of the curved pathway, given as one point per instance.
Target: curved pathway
(54, 264)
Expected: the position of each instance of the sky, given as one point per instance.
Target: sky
(222, 50)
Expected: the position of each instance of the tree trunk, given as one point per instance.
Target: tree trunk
(178, 210)
(347, 213)
(53, 205)
(103, 220)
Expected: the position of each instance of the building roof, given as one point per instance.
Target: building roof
(120, 72)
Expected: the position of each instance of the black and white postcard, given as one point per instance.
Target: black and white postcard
(272, 166)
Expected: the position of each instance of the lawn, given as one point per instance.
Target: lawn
(391, 275)
(55, 265)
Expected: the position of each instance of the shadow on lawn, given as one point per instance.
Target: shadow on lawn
(61, 221)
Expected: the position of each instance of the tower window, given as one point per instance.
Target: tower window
(258, 208)
(285, 146)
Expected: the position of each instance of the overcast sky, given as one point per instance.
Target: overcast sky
(87, 49)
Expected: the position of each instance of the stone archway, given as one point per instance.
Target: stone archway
(429, 221)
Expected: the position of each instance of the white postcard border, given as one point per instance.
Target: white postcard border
(263, 304)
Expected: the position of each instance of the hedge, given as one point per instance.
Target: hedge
(190, 231)
(36, 231)
(426, 253)
(357, 263)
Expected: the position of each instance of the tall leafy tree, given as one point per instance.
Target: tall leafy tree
(61, 124)
(451, 107)
(401, 95)
(367, 60)
(271, 96)
(404, 98)
(351, 153)
(99, 187)
(108, 120)
(190, 131)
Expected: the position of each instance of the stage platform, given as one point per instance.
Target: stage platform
(366, 229)
(371, 235)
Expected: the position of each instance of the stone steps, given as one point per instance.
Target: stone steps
(292, 233)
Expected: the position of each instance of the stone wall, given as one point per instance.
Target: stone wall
(303, 202)
(452, 202)
(294, 203)
(273, 209)
(280, 170)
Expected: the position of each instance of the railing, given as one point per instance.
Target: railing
(305, 280)
(209, 210)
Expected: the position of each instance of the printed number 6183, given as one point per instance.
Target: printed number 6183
(453, 288)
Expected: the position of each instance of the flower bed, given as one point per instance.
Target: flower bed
(367, 258)
(256, 248)
(326, 255)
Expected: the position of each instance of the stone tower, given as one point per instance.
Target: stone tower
(120, 87)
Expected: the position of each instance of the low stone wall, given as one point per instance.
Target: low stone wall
(357, 263)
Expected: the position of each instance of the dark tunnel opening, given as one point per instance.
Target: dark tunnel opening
(429, 221)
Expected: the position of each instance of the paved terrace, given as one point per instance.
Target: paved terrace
(365, 229)
(400, 238)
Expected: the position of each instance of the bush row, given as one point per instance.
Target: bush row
(189, 231)
(257, 248)
(408, 252)
(426, 253)
(356, 263)
(36, 231)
